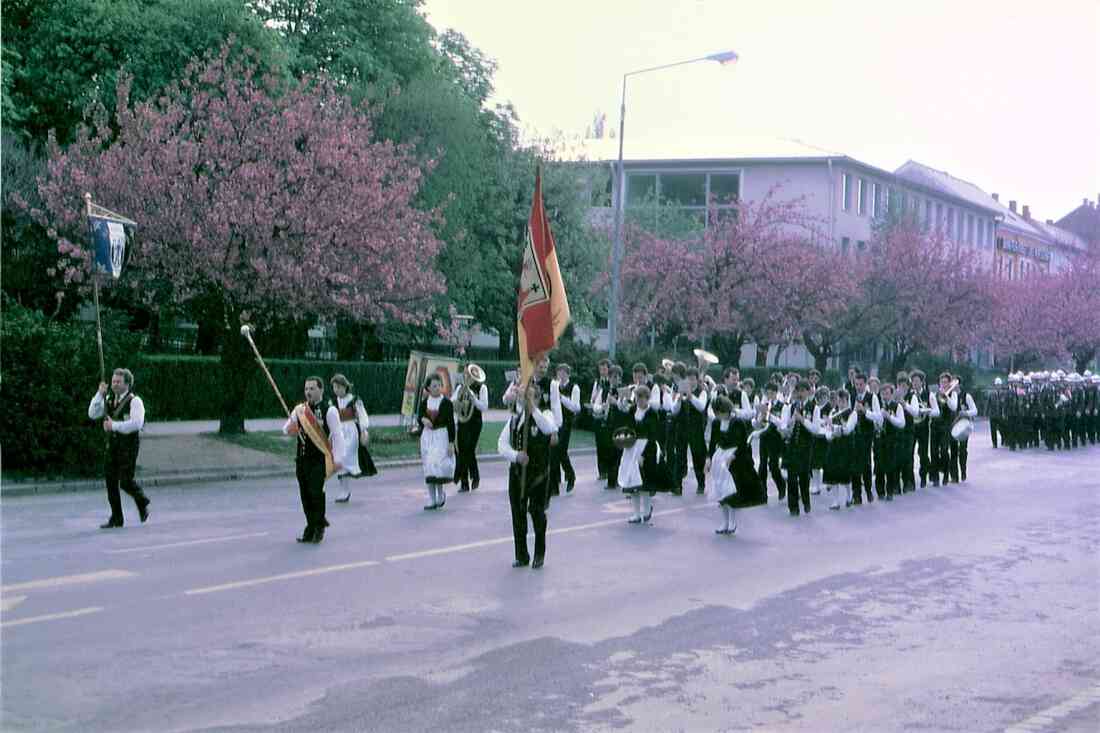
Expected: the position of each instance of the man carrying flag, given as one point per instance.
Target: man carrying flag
(122, 411)
(542, 315)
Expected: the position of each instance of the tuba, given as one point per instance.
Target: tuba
(464, 400)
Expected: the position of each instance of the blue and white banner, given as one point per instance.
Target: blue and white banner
(109, 239)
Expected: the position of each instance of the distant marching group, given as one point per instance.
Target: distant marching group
(869, 439)
(1055, 409)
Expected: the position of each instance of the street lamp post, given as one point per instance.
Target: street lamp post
(724, 57)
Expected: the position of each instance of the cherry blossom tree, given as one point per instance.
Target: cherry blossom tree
(256, 202)
(922, 291)
(747, 277)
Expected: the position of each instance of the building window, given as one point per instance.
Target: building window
(725, 188)
(939, 217)
(970, 229)
(927, 214)
(950, 223)
(844, 242)
(641, 190)
(845, 191)
(861, 245)
(862, 197)
(684, 189)
(876, 206)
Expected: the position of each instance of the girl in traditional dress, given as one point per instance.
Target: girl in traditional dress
(730, 471)
(355, 425)
(821, 409)
(437, 441)
(839, 426)
(640, 467)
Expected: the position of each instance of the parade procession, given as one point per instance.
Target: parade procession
(444, 366)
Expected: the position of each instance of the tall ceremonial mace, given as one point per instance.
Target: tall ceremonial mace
(246, 331)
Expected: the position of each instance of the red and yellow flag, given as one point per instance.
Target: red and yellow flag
(543, 311)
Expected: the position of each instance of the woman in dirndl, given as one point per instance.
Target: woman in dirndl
(355, 425)
(642, 472)
(437, 441)
(730, 471)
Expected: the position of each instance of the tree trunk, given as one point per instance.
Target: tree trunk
(238, 368)
(505, 352)
(762, 355)
(820, 353)
(1081, 359)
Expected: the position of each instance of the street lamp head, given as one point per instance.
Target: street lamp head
(725, 57)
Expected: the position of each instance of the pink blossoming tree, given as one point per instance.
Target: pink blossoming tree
(256, 202)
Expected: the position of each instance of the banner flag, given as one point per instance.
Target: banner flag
(543, 308)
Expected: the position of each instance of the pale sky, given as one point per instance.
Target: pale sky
(1004, 94)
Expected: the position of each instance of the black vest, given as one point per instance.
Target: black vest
(864, 424)
(119, 411)
(536, 445)
(307, 451)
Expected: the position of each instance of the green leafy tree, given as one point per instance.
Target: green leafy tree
(66, 54)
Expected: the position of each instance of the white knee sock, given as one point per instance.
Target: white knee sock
(731, 518)
(431, 494)
(636, 500)
(647, 503)
(345, 485)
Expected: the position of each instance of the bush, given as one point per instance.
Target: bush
(50, 372)
(189, 387)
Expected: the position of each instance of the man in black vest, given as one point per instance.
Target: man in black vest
(598, 402)
(865, 404)
(566, 403)
(319, 438)
(124, 417)
(525, 442)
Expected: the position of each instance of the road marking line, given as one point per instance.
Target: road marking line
(69, 580)
(227, 538)
(503, 540)
(1050, 716)
(282, 576)
(7, 604)
(52, 616)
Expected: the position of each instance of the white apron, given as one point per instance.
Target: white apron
(720, 482)
(630, 466)
(350, 430)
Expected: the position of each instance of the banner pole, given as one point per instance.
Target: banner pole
(95, 289)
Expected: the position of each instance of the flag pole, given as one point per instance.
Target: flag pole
(95, 291)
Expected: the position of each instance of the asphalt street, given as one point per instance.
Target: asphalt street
(972, 607)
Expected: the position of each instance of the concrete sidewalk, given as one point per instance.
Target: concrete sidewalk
(260, 425)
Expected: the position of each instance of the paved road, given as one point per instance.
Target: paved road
(967, 608)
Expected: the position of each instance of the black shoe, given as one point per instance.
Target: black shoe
(794, 512)
(889, 497)
(521, 563)
(475, 485)
(463, 488)
(111, 524)
(569, 485)
(537, 563)
(143, 510)
(343, 499)
(318, 536)
(648, 516)
(430, 507)
(634, 520)
(307, 534)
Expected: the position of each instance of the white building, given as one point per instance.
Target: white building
(845, 195)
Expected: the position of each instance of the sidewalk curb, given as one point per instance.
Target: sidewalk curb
(209, 476)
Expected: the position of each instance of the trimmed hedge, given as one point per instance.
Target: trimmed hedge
(50, 373)
(189, 388)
